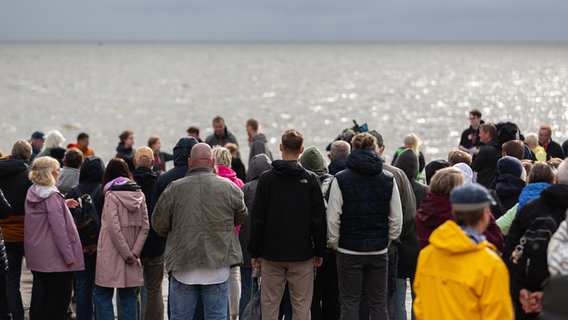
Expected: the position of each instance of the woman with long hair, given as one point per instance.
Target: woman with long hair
(124, 228)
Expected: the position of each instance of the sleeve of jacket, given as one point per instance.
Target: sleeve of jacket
(114, 228)
(494, 235)
(239, 207)
(407, 201)
(143, 234)
(168, 156)
(5, 207)
(56, 220)
(558, 251)
(162, 215)
(334, 210)
(395, 214)
(496, 303)
(258, 217)
(319, 223)
(504, 222)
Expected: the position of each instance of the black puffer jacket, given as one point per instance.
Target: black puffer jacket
(146, 179)
(126, 154)
(508, 188)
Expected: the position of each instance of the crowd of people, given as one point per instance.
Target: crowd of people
(342, 236)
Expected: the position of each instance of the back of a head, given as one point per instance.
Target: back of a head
(54, 139)
(562, 173)
(411, 140)
(222, 156)
(92, 170)
(182, 150)
(510, 165)
(340, 149)
(514, 148)
(432, 167)
(364, 141)
(257, 165)
(445, 180)
(469, 202)
(541, 172)
(201, 152)
(22, 150)
(312, 159)
(115, 168)
(378, 138)
(459, 156)
(232, 147)
(531, 139)
(73, 158)
(407, 161)
(42, 170)
(144, 157)
(292, 141)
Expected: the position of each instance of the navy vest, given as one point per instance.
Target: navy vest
(366, 207)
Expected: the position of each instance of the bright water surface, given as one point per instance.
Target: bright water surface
(162, 89)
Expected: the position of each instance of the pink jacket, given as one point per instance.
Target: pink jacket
(226, 172)
(51, 240)
(124, 228)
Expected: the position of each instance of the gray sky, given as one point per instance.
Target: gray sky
(284, 20)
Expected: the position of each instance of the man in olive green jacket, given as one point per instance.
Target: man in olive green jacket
(198, 214)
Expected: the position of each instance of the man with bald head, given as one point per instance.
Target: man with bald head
(198, 214)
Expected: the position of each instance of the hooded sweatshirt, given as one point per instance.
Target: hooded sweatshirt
(457, 279)
(313, 160)
(51, 240)
(124, 228)
(14, 183)
(259, 145)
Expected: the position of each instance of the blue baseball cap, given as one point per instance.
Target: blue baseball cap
(471, 197)
(38, 135)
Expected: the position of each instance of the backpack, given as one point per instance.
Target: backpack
(86, 218)
(529, 258)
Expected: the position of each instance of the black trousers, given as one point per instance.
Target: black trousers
(51, 295)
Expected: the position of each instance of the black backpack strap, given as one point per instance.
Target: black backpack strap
(499, 203)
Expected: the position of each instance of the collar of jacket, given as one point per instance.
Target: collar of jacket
(199, 170)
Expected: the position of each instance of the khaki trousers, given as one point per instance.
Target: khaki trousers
(300, 277)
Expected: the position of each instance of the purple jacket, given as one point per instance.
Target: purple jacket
(51, 240)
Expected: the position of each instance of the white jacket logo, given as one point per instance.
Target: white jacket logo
(304, 181)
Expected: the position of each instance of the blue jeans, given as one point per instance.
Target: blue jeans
(15, 252)
(84, 285)
(362, 272)
(398, 300)
(183, 300)
(103, 303)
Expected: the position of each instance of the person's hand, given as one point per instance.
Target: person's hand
(536, 301)
(256, 262)
(525, 300)
(90, 249)
(71, 203)
(318, 261)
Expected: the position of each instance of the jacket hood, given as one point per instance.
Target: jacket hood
(556, 196)
(287, 168)
(450, 237)
(257, 165)
(92, 170)
(365, 162)
(407, 161)
(509, 185)
(226, 172)
(435, 209)
(259, 137)
(531, 191)
(337, 165)
(131, 200)
(144, 176)
(313, 160)
(10, 167)
(37, 194)
(121, 148)
(466, 171)
(182, 150)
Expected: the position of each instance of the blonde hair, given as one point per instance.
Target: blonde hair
(222, 156)
(42, 170)
(445, 180)
(531, 139)
(412, 140)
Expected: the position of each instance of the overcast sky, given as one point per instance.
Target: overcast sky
(284, 20)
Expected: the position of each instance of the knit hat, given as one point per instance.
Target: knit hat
(377, 136)
(470, 197)
(313, 160)
(510, 165)
(434, 166)
(467, 172)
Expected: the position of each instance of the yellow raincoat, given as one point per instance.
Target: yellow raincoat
(457, 279)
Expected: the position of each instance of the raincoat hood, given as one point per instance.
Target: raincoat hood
(92, 170)
(366, 162)
(182, 150)
(451, 238)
